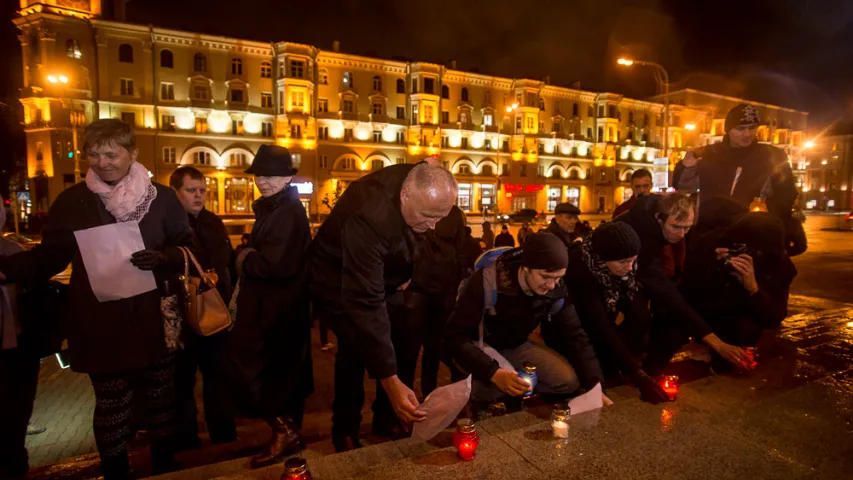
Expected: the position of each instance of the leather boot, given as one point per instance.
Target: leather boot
(344, 442)
(285, 441)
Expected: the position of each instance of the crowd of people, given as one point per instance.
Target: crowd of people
(392, 271)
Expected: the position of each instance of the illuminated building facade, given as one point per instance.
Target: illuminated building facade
(212, 101)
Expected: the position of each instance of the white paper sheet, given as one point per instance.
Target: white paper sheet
(441, 408)
(106, 252)
(590, 400)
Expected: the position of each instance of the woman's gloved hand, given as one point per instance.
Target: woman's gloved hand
(147, 259)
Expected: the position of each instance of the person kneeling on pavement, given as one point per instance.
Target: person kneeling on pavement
(738, 279)
(613, 310)
(526, 284)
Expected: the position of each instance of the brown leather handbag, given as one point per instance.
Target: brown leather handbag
(206, 312)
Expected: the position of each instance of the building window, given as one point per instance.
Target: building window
(200, 125)
(401, 86)
(167, 91)
(517, 122)
(72, 49)
(504, 169)
(573, 196)
(239, 195)
(296, 160)
(377, 83)
(266, 100)
(428, 114)
(324, 77)
(125, 53)
(199, 63)
(531, 123)
(128, 118)
(377, 165)
(464, 117)
(445, 92)
(297, 69)
(488, 119)
(464, 194)
(323, 133)
(200, 92)
(266, 129)
(167, 59)
(322, 105)
(236, 66)
(266, 70)
(630, 117)
(237, 160)
(487, 98)
(600, 134)
(541, 103)
(523, 169)
(211, 197)
(201, 158)
(347, 80)
(464, 144)
(169, 155)
(487, 170)
(554, 196)
(167, 123)
(401, 113)
(414, 85)
(236, 95)
(324, 161)
(400, 161)
(401, 138)
(555, 127)
(645, 119)
(464, 170)
(590, 111)
(297, 100)
(127, 87)
(376, 108)
(347, 164)
(348, 106)
(377, 136)
(296, 132)
(237, 127)
(464, 94)
(347, 134)
(445, 117)
(575, 110)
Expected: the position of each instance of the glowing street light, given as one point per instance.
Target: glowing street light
(809, 144)
(63, 79)
(624, 61)
(690, 126)
(57, 79)
(52, 79)
(662, 77)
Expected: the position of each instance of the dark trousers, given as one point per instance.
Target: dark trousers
(668, 336)
(114, 402)
(205, 354)
(432, 312)
(633, 332)
(19, 369)
(350, 367)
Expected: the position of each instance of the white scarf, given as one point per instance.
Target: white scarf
(129, 197)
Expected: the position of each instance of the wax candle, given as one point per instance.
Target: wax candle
(466, 439)
(296, 469)
(669, 384)
(528, 374)
(752, 353)
(560, 420)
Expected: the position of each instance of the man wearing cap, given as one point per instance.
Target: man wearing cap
(565, 223)
(740, 167)
(362, 260)
(529, 293)
(268, 348)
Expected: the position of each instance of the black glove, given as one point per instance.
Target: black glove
(650, 391)
(147, 259)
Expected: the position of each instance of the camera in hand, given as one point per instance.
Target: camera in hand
(735, 249)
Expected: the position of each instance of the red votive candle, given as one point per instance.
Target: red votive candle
(669, 383)
(752, 353)
(296, 469)
(466, 439)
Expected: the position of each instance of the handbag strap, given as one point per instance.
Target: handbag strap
(201, 272)
(186, 266)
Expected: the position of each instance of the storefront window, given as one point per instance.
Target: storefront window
(239, 194)
(487, 198)
(464, 197)
(554, 197)
(211, 196)
(573, 196)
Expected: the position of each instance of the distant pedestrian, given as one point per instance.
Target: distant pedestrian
(504, 239)
(488, 235)
(523, 232)
(473, 249)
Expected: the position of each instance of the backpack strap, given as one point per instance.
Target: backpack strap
(490, 298)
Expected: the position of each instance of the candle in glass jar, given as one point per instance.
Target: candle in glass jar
(560, 420)
(752, 353)
(669, 383)
(296, 469)
(528, 374)
(466, 439)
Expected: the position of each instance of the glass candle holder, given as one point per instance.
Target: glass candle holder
(466, 439)
(752, 353)
(296, 469)
(669, 383)
(528, 374)
(560, 420)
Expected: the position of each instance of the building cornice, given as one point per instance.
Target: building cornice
(731, 99)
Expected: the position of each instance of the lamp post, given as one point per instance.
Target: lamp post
(661, 77)
(509, 109)
(75, 118)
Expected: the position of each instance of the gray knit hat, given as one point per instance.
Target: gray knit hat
(615, 241)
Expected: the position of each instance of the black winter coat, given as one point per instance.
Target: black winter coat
(213, 249)
(269, 346)
(516, 316)
(657, 286)
(567, 238)
(363, 252)
(504, 239)
(441, 260)
(115, 336)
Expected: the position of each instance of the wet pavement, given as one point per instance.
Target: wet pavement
(795, 411)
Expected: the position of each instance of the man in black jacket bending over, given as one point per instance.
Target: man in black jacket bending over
(361, 261)
(530, 292)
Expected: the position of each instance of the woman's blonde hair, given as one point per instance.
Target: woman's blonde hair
(107, 131)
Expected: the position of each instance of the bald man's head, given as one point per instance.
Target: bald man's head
(428, 194)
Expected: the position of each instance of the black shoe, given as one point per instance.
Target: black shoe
(285, 441)
(389, 429)
(344, 442)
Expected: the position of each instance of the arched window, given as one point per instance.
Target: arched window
(445, 91)
(72, 48)
(573, 174)
(401, 86)
(125, 53)
(464, 94)
(199, 63)
(347, 80)
(377, 165)
(236, 66)
(377, 83)
(167, 59)
(487, 170)
(556, 173)
(266, 70)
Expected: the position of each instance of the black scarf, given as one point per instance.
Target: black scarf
(613, 287)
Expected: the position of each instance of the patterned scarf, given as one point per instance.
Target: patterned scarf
(613, 286)
(130, 198)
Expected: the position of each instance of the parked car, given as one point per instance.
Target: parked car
(524, 215)
(848, 220)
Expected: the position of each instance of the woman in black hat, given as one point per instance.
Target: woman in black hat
(607, 296)
(269, 345)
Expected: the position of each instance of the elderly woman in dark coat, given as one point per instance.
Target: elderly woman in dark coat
(268, 348)
(124, 345)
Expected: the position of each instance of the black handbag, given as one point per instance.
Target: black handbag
(40, 309)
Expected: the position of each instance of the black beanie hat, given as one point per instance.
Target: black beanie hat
(615, 241)
(544, 251)
(743, 114)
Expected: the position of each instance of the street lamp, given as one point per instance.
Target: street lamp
(690, 126)
(661, 77)
(809, 144)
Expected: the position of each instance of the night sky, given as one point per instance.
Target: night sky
(789, 52)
